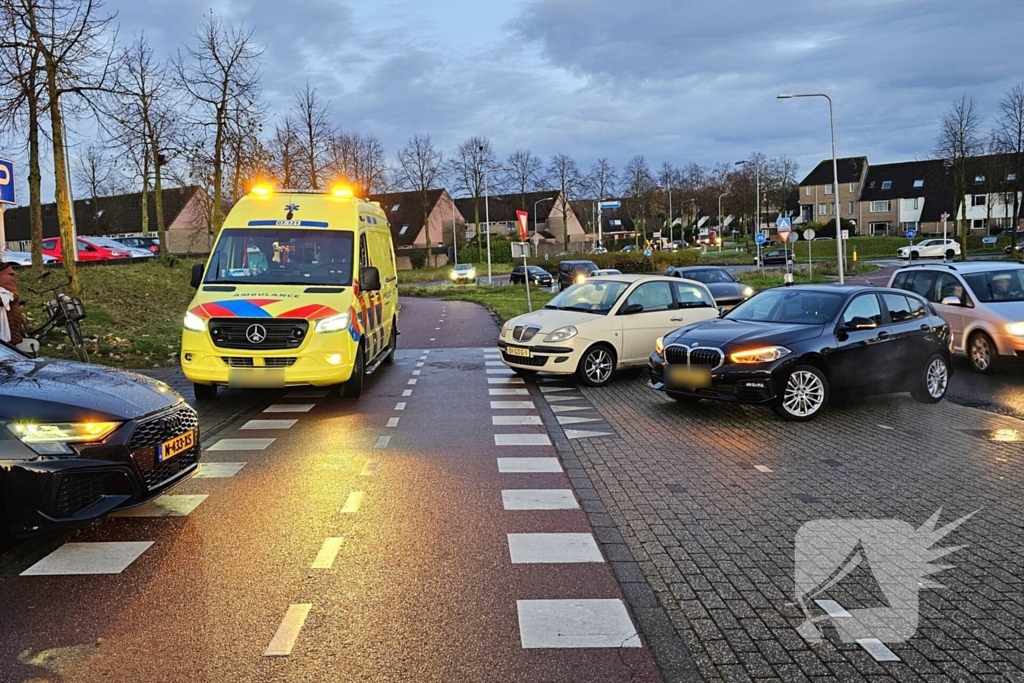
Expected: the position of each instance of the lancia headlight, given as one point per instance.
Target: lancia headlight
(53, 438)
(561, 334)
(748, 292)
(194, 323)
(335, 323)
(766, 354)
(1016, 329)
(506, 328)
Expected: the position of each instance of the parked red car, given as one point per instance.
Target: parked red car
(87, 250)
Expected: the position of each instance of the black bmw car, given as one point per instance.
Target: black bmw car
(727, 290)
(538, 276)
(793, 347)
(77, 441)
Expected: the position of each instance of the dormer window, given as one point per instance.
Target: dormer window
(886, 184)
(404, 228)
(919, 182)
(979, 179)
(395, 208)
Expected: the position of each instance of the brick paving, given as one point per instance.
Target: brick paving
(702, 536)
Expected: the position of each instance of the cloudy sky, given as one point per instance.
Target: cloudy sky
(675, 81)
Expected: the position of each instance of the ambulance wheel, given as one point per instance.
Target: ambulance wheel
(353, 388)
(204, 392)
(392, 344)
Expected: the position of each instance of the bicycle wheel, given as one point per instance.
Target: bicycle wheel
(75, 335)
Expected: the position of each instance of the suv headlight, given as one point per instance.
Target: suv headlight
(1016, 329)
(766, 354)
(53, 438)
(335, 323)
(194, 323)
(561, 334)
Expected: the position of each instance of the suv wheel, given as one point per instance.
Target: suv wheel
(914, 255)
(950, 254)
(932, 382)
(596, 366)
(981, 351)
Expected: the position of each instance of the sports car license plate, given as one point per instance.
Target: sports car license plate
(518, 351)
(176, 446)
(688, 378)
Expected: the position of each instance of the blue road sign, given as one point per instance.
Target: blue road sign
(783, 224)
(647, 253)
(988, 240)
(7, 182)
(607, 206)
(911, 234)
(760, 238)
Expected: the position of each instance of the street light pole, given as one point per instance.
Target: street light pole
(487, 218)
(720, 233)
(668, 186)
(757, 202)
(546, 199)
(455, 238)
(840, 253)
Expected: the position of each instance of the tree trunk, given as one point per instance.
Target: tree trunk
(476, 222)
(35, 177)
(426, 227)
(145, 193)
(61, 189)
(218, 153)
(158, 198)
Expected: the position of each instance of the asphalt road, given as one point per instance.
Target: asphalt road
(359, 540)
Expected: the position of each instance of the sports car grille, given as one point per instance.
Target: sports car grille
(77, 492)
(150, 434)
(703, 357)
(536, 361)
(272, 333)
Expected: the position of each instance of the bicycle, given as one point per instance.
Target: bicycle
(61, 311)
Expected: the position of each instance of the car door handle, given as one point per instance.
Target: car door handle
(925, 328)
(883, 335)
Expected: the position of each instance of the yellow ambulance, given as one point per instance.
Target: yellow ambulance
(300, 289)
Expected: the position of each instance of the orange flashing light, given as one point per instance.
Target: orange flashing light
(260, 190)
(342, 192)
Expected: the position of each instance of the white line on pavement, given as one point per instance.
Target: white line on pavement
(506, 380)
(416, 372)
(393, 422)
(352, 503)
(407, 392)
(553, 548)
(382, 441)
(412, 381)
(269, 424)
(328, 551)
(515, 420)
(575, 624)
(400, 405)
(419, 365)
(508, 392)
(528, 465)
(241, 445)
(538, 499)
(370, 468)
(522, 440)
(511, 405)
(290, 408)
(288, 632)
(218, 470)
(762, 468)
(878, 650)
(164, 506)
(89, 558)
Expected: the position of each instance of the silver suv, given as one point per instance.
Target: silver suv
(983, 302)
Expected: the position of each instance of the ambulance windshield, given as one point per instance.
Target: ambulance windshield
(282, 257)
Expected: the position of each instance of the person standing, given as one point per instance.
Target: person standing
(10, 306)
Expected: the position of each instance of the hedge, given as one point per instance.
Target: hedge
(627, 262)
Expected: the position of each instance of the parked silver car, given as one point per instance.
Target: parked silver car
(982, 301)
(24, 258)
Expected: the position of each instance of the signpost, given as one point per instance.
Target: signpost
(944, 217)
(7, 196)
(988, 240)
(784, 226)
(523, 217)
(610, 205)
(759, 239)
(809, 236)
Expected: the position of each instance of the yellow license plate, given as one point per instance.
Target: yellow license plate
(176, 446)
(517, 351)
(688, 378)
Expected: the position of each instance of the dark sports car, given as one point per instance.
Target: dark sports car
(727, 290)
(77, 441)
(793, 347)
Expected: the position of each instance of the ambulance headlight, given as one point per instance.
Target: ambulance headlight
(336, 323)
(194, 323)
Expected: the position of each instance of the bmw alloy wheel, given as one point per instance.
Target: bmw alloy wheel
(937, 378)
(804, 395)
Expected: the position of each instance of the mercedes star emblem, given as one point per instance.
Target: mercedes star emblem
(256, 333)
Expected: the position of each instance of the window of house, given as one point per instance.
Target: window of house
(821, 209)
(851, 188)
(881, 206)
(807, 191)
(917, 203)
(879, 228)
(909, 225)
(830, 189)
(395, 207)
(404, 228)
(871, 185)
(1011, 176)
(886, 184)
(978, 179)
(616, 222)
(978, 224)
(851, 207)
(978, 200)
(919, 182)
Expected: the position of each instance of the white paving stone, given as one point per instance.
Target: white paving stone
(269, 424)
(218, 470)
(89, 558)
(515, 420)
(528, 465)
(575, 624)
(508, 392)
(553, 548)
(290, 408)
(164, 506)
(539, 499)
(241, 445)
(584, 434)
(511, 405)
(570, 420)
(878, 650)
(569, 409)
(522, 440)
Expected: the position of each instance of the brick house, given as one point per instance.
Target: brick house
(818, 197)
(405, 216)
(550, 220)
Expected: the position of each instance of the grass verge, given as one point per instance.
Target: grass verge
(441, 273)
(503, 301)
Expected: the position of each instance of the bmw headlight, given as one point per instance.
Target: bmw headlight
(561, 334)
(194, 323)
(1016, 329)
(659, 347)
(52, 438)
(766, 354)
(748, 292)
(335, 323)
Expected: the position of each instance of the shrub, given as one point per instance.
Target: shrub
(418, 259)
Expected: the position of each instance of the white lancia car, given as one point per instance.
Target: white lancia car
(604, 323)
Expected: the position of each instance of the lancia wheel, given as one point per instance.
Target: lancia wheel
(596, 366)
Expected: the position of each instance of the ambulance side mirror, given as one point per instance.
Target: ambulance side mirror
(369, 279)
(197, 275)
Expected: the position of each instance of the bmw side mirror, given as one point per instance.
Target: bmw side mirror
(369, 279)
(632, 309)
(951, 301)
(721, 311)
(859, 323)
(197, 275)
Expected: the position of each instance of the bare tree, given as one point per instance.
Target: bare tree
(419, 166)
(1009, 135)
(311, 115)
(22, 98)
(564, 175)
(467, 171)
(284, 152)
(360, 160)
(526, 170)
(638, 186)
(779, 181)
(958, 142)
(75, 47)
(221, 76)
(248, 158)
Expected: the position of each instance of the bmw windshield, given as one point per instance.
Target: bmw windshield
(589, 297)
(285, 257)
(789, 306)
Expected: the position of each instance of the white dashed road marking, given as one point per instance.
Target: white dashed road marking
(508, 392)
(498, 371)
(834, 609)
(400, 405)
(382, 442)
(328, 551)
(528, 465)
(584, 434)
(878, 650)
(412, 381)
(575, 624)
(416, 373)
(392, 422)
(241, 445)
(515, 420)
(288, 632)
(522, 440)
(407, 393)
(570, 420)
(553, 548)
(763, 468)
(538, 499)
(269, 424)
(290, 408)
(352, 503)
(218, 470)
(370, 468)
(164, 506)
(511, 405)
(505, 380)
(89, 558)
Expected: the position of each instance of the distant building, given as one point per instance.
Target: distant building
(405, 213)
(818, 194)
(550, 220)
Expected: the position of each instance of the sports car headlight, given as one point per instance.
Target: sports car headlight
(1016, 329)
(748, 292)
(52, 438)
(561, 334)
(194, 323)
(335, 323)
(762, 355)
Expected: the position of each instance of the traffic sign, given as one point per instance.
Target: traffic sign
(523, 217)
(648, 252)
(535, 239)
(760, 238)
(845, 234)
(792, 236)
(656, 235)
(809, 234)
(944, 216)
(988, 240)
(7, 195)
(911, 234)
(783, 224)
(608, 206)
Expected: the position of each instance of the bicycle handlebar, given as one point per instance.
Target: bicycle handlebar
(50, 289)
